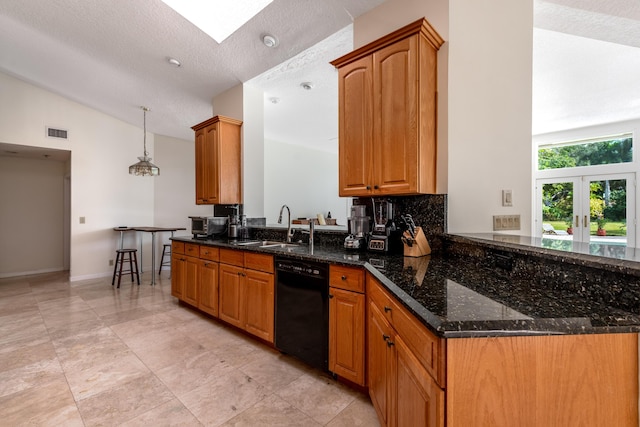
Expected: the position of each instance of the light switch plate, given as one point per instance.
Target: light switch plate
(507, 198)
(81, 220)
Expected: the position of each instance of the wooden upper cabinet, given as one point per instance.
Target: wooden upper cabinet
(355, 112)
(218, 161)
(387, 114)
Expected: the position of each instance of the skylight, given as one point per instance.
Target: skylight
(220, 18)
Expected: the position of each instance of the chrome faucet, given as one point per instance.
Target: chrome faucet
(312, 227)
(289, 234)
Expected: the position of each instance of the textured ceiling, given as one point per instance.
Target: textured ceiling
(111, 55)
(586, 59)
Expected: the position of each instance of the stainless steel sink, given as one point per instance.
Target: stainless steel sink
(267, 244)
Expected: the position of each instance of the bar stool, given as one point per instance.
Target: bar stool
(165, 252)
(132, 258)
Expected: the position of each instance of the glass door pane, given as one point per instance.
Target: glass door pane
(609, 211)
(558, 207)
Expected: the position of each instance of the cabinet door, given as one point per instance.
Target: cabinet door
(346, 334)
(178, 270)
(230, 295)
(206, 171)
(208, 298)
(191, 279)
(259, 304)
(395, 112)
(380, 363)
(355, 109)
(419, 401)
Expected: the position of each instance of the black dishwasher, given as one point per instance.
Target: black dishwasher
(302, 311)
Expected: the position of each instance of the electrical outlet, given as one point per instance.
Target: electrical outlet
(81, 220)
(111, 263)
(506, 222)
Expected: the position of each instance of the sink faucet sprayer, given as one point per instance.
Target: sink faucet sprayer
(289, 234)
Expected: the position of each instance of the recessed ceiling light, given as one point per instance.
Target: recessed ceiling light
(174, 61)
(270, 41)
(306, 85)
(219, 19)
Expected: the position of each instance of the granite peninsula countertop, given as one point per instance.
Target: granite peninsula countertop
(455, 296)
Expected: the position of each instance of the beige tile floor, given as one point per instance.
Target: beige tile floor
(87, 354)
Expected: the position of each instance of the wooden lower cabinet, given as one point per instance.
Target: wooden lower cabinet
(178, 269)
(380, 363)
(259, 304)
(208, 287)
(230, 294)
(347, 305)
(194, 279)
(247, 295)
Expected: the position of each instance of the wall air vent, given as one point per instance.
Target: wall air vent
(57, 133)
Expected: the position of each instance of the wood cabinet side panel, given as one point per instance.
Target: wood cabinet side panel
(587, 380)
(428, 117)
(230, 164)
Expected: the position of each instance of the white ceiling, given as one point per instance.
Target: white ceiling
(112, 56)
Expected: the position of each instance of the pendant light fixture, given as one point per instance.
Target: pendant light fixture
(144, 167)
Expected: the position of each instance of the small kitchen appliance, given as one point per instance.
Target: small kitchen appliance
(358, 224)
(383, 225)
(207, 226)
(234, 226)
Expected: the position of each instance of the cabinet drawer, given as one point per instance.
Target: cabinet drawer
(192, 249)
(207, 252)
(258, 262)
(177, 247)
(427, 348)
(347, 278)
(232, 257)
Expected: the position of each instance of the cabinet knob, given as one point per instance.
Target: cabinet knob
(387, 309)
(330, 296)
(368, 187)
(385, 337)
(375, 187)
(390, 343)
(344, 277)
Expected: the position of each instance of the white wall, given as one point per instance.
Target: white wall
(490, 74)
(303, 179)
(484, 101)
(102, 148)
(31, 216)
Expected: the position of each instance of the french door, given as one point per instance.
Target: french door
(595, 209)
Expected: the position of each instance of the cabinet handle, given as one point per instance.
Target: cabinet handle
(385, 337)
(390, 343)
(330, 296)
(585, 221)
(387, 309)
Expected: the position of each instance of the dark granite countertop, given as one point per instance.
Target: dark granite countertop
(454, 296)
